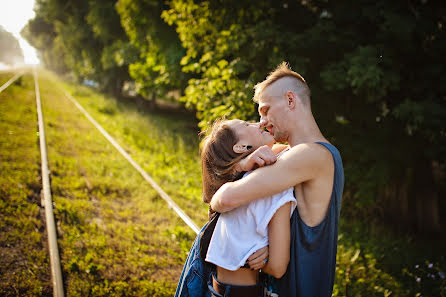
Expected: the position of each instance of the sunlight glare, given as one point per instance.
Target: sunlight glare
(13, 17)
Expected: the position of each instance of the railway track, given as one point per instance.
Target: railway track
(47, 203)
(11, 80)
(56, 271)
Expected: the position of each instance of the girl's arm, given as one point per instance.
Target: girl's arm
(279, 242)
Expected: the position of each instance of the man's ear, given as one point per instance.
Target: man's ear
(291, 99)
(240, 148)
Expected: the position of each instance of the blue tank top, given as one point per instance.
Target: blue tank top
(311, 270)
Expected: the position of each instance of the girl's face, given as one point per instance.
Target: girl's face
(250, 134)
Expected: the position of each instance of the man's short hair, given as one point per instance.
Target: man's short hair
(283, 70)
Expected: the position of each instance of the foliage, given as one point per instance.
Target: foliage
(157, 70)
(358, 275)
(41, 34)
(385, 105)
(374, 68)
(222, 47)
(10, 51)
(84, 37)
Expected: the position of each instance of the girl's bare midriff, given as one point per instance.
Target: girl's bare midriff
(241, 277)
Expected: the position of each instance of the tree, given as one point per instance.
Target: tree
(42, 35)
(10, 51)
(157, 69)
(374, 68)
(87, 36)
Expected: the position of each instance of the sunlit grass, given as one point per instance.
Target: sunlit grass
(116, 234)
(166, 146)
(24, 263)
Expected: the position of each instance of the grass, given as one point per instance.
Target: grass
(117, 237)
(24, 264)
(375, 260)
(5, 76)
(166, 145)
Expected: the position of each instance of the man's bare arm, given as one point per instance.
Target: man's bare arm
(302, 163)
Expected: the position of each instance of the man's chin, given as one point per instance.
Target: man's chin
(280, 138)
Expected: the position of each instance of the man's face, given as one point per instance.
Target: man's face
(272, 109)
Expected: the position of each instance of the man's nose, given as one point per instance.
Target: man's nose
(263, 122)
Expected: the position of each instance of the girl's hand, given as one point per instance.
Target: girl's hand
(258, 260)
(260, 157)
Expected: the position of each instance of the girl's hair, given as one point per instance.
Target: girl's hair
(218, 159)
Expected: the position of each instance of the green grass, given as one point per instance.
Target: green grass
(24, 264)
(5, 76)
(117, 237)
(165, 145)
(404, 265)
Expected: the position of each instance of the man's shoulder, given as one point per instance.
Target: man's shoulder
(314, 158)
(312, 150)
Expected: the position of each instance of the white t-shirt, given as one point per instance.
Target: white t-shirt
(244, 230)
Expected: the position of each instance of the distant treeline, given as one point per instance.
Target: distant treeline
(10, 51)
(376, 70)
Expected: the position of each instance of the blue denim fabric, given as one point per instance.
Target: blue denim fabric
(213, 293)
(196, 273)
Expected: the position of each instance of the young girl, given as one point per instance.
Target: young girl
(239, 233)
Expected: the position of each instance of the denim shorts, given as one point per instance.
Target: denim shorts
(213, 293)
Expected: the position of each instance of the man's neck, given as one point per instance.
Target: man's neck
(305, 133)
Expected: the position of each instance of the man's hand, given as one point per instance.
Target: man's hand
(260, 157)
(258, 260)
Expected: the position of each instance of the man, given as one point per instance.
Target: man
(312, 166)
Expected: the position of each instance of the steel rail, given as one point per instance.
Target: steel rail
(144, 174)
(9, 82)
(56, 271)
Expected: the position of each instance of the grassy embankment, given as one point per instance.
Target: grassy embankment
(164, 143)
(24, 262)
(116, 236)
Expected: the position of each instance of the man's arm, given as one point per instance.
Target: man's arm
(302, 163)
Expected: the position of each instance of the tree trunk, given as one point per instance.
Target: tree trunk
(426, 195)
(152, 101)
(397, 203)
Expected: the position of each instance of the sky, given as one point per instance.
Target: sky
(14, 14)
